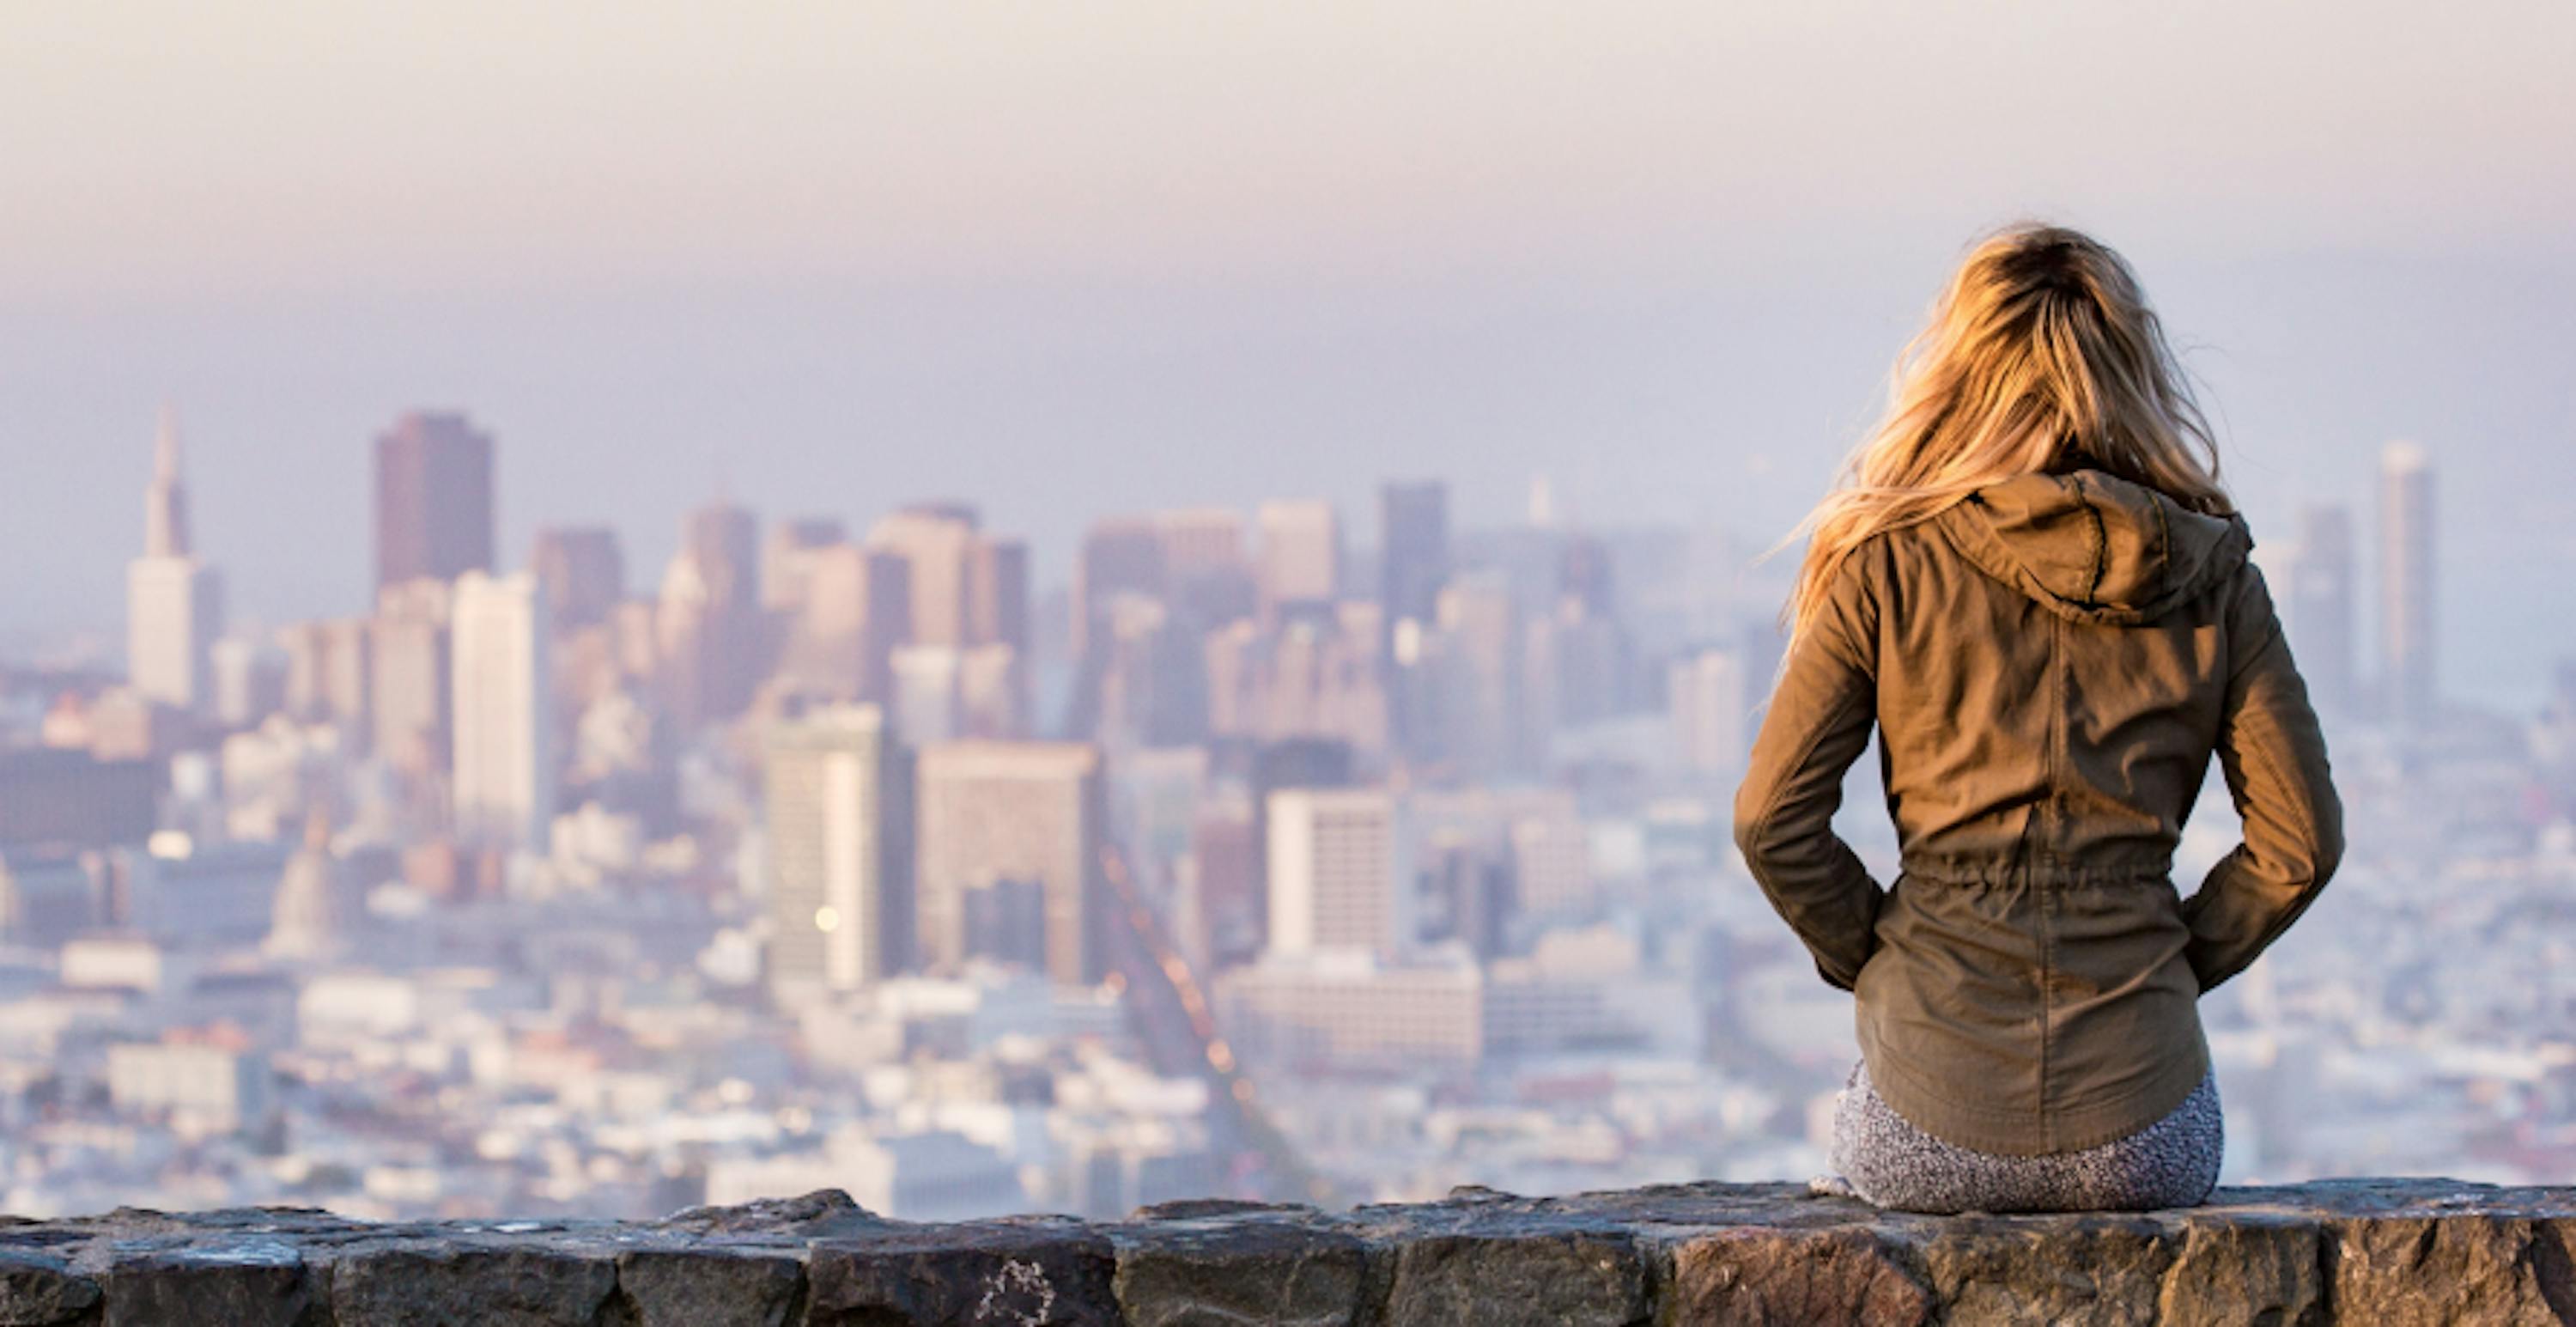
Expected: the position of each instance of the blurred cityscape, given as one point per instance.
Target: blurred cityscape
(1283, 853)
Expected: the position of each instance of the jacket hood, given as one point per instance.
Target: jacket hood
(2093, 547)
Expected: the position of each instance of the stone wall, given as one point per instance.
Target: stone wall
(2365, 1251)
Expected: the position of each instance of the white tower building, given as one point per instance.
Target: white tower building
(173, 602)
(1336, 878)
(504, 725)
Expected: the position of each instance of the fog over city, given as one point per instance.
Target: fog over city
(1082, 257)
(1052, 607)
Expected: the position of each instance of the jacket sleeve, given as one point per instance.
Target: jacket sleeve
(2275, 761)
(1817, 724)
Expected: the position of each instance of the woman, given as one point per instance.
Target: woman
(2035, 587)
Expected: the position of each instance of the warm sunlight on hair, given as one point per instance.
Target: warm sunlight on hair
(2041, 355)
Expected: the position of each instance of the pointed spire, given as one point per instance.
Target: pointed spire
(165, 503)
(165, 447)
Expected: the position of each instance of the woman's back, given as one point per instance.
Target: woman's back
(2082, 620)
(2050, 664)
(2033, 585)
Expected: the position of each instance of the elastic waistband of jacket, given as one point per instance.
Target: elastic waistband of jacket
(2035, 869)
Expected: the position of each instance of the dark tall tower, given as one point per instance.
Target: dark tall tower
(433, 499)
(1413, 545)
(1413, 563)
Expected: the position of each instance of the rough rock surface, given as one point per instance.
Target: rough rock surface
(2358, 1251)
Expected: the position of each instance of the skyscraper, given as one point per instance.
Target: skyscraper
(329, 677)
(2408, 623)
(2320, 608)
(853, 612)
(1019, 813)
(1413, 548)
(433, 499)
(1709, 696)
(714, 638)
(725, 540)
(174, 603)
(839, 805)
(409, 679)
(1119, 555)
(936, 541)
(997, 593)
(1478, 656)
(1413, 554)
(503, 714)
(584, 573)
(1301, 553)
(787, 558)
(1206, 577)
(1335, 872)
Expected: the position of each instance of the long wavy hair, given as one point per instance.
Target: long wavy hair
(2042, 355)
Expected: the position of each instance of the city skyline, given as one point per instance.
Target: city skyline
(945, 566)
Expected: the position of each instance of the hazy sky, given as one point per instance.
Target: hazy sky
(1065, 258)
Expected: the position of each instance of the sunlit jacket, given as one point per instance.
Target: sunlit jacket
(2050, 666)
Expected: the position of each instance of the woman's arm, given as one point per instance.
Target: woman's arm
(2275, 761)
(1818, 723)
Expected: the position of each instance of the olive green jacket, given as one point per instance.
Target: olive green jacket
(2050, 665)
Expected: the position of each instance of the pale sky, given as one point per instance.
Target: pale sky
(1067, 258)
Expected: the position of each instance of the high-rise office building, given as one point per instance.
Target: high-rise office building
(433, 499)
(1413, 565)
(1413, 549)
(1030, 813)
(1479, 663)
(583, 571)
(1149, 676)
(787, 558)
(504, 771)
(1200, 541)
(715, 641)
(173, 601)
(2319, 608)
(1208, 577)
(249, 681)
(1336, 862)
(853, 612)
(1301, 553)
(937, 543)
(1710, 698)
(839, 802)
(997, 593)
(2408, 610)
(1119, 555)
(409, 689)
(328, 674)
(725, 541)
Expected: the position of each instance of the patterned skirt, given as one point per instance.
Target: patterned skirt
(1887, 1161)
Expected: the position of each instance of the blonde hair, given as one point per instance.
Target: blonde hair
(2041, 355)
